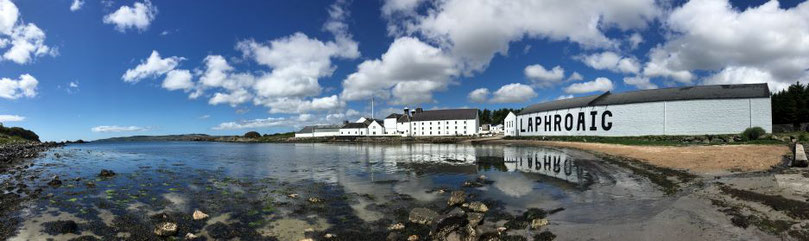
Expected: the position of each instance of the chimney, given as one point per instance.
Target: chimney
(406, 111)
(419, 110)
(412, 113)
(345, 122)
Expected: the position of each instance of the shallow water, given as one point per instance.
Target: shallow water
(362, 188)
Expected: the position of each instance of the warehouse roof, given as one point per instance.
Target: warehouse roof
(703, 92)
(311, 129)
(448, 114)
(355, 125)
(394, 115)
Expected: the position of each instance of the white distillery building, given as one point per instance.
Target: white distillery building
(694, 110)
(448, 122)
(318, 131)
(363, 127)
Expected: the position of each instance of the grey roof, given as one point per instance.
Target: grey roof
(355, 125)
(702, 92)
(394, 115)
(448, 114)
(310, 129)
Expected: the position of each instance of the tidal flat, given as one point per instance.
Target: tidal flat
(319, 191)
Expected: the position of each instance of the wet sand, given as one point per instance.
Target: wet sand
(714, 159)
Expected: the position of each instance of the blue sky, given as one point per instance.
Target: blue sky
(82, 69)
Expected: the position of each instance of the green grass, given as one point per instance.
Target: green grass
(4, 139)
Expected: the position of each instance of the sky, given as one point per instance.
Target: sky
(91, 69)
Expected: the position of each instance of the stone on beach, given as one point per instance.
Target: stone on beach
(397, 226)
(55, 181)
(456, 197)
(199, 215)
(166, 229)
(106, 173)
(422, 216)
(476, 207)
(413, 238)
(538, 223)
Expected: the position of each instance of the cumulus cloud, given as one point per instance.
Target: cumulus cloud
(24, 86)
(475, 30)
(609, 60)
(76, 5)
(562, 97)
(513, 93)
(115, 128)
(640, 82)
(712, 35)
(178, 80)
(264, 123)
(152, 67)
(11, 118)
(478, 95)
(745, 75)
(543, 77)
(575, 76)
(23, 41)
(408, 73)
(599, 84)
(139, 16)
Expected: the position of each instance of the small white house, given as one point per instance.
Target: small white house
(390, 124)
(318, 131)
(509, 125)
(376, 128)
(354, 129)
(496, 129)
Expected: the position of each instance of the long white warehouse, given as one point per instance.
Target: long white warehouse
(695, 110)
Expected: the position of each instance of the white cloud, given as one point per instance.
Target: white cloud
(178, 80)
(513, 93)
(233, 98)
(73, 84)
(475, 30)
(25, 86)
(115, 128)
(408, 73)
(640, 82)
(634, 40)
(152, 67)
(599, 84)
(255, 123)
(27, 41)
(299, 105)
(139, 16)
(11, 118)
(478, 95)
(76, 5)
(745, 75)
(609, 60)
(575, 76)
(542, 77)
(712, 35)
(204, 117)
(562, 97)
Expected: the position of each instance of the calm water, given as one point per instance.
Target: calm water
(246, 188)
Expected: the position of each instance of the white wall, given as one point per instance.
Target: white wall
(690, 117)
(353, 131)
(390, 126)
(509, 124)
(375, 129)
(444, 127)
(318, 134)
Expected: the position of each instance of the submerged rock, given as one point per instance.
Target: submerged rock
(106, 173)
(456, 197)
(538, 223)
(315, 200)
(477, 207)
(61, 227)
(55, 182)
(397, 226)
(190, 236)
(474, 218)
(292, 195)
(422, 216)
(413, 238)
(165, 229)
(545, 236)
(199, 215)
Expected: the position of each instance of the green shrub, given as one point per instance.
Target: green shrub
(252, 135)
(803, 137)
(19, 132)
(753, 133)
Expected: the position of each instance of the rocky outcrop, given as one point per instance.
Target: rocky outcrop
(15, 151)
(166, 229)
(456, 198)
(422, 216)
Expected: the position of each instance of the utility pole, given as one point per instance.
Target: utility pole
(372, 108)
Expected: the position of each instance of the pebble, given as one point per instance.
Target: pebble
(398, 226)
(199, 215)
(413, 238)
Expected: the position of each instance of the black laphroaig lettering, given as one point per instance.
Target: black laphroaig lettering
(557, 122)
(537, 123)
(580, 126)
(593, 122)
(530, 126)
(569, 122)
(547, 123)
(604, 124)
(521, 129)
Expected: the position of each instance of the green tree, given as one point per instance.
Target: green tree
(791, 106)
(252, 135)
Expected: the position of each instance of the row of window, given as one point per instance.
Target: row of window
(436, 122)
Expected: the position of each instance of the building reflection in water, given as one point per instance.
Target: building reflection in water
(547, 162)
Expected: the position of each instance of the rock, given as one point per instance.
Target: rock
(309, 230)
(476, 207)
(501, 229)
(55, 182)
(329, 236)
(307, 239)
(315, 200)
(538, 223)
(199, 215)
(799, 159)
(90, 184)
(190, 236)
(165, 229)
(472, 184)
(397, 226)
(413, 238)
(422, 216)
(106, 173)
(474, 218)
(456, 197)
(61, 227)
(447, 224)
(292, 195)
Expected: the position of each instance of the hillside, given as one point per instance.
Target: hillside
(16, 135)
(183, 137)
